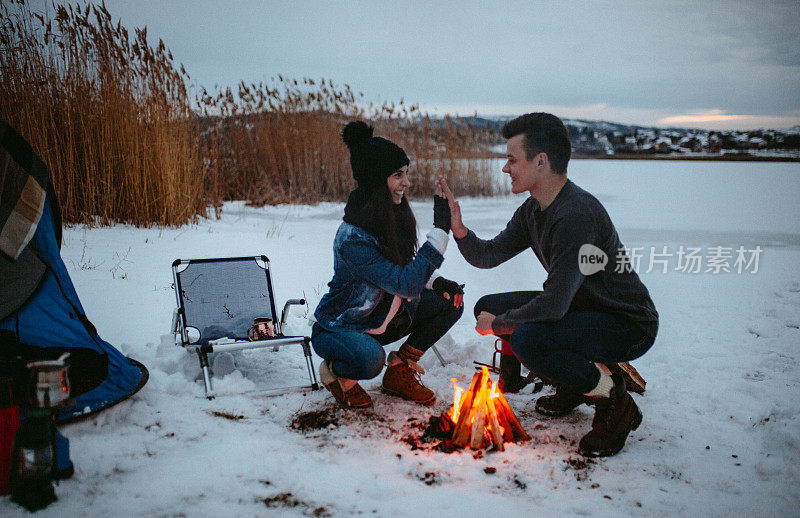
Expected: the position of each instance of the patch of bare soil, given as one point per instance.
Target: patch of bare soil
(316, 419)
(227, 415)
(581, 465)
(288, 500)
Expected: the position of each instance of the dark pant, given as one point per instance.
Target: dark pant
(565, 351)
(360, 356)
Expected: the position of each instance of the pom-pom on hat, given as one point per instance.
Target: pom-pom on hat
(373, 159)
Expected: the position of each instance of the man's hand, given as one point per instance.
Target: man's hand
(449, 290)
(456, 223)
(484, 324)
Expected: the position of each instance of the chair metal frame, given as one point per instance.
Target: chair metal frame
(180, 326)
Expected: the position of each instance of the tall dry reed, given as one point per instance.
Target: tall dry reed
(108, 113)
(111, 116)
(280, 142)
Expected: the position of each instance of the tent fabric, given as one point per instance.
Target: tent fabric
(23, 181)
(20, 278)
(52, 317)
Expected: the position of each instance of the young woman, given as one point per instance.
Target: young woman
(384, 286)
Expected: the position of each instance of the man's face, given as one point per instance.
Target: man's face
(524, 174)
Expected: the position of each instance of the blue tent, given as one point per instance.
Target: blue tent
(40, 313)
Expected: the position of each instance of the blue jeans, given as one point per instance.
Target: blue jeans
(564, 352)
(359, 356)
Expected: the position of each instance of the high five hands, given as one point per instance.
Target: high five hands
(456, 224)
(484, 322)
(449, 290)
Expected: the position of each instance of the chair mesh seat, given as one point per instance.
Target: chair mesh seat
(228, 313)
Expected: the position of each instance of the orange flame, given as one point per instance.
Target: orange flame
(484, 406)
(494, 393)
(457, 394)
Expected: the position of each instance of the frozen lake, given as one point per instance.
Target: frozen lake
(715, 203)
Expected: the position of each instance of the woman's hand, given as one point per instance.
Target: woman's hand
(449, 290)
(456, 223)
(441, 209)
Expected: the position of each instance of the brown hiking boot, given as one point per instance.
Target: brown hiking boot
(614, 418)
(561, 403)
(347, 393)
(402, 379)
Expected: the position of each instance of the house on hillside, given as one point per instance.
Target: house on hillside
(664, 144)
(690, 143)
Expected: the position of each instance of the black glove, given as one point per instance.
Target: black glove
(450, 290)
(441, 213)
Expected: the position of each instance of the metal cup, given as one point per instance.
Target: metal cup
(262, 329)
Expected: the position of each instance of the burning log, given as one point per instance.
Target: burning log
(478, 424)
(494, 423)
(518, 432)
(505, 426)
(466, 412)
(482, 415)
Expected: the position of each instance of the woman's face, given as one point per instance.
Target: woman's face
(398, 182)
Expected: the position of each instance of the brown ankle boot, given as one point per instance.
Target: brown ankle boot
(402, 379)
(615, 417)
(561, 403)
(347, 393)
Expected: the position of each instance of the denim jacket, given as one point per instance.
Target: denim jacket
(365, 282)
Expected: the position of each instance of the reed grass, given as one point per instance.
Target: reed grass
(107, 111)
(280, 142)
(111, 116)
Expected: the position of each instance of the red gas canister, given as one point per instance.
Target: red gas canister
(9, 424)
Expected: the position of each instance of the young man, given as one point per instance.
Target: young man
(585, 315)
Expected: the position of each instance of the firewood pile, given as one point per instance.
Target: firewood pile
(481, 417)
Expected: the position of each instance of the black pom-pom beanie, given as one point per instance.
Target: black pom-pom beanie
(373, 159)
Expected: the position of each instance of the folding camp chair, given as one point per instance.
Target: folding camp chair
(218, 300)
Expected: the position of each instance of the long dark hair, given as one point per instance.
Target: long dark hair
(394, 226)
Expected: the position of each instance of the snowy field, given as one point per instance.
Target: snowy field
(721, 429)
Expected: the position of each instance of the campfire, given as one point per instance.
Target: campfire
(481, 416)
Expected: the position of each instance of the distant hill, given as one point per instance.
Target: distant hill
(593, 138)
(495, 123)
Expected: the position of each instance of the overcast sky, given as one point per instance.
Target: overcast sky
(690, 64)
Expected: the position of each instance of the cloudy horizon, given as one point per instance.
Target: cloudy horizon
(726, 65)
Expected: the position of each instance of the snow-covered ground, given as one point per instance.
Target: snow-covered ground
(721, 430)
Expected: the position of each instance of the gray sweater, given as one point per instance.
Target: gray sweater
(555, 235)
